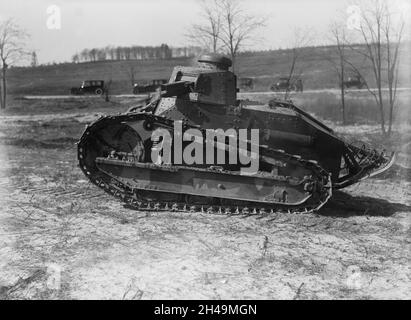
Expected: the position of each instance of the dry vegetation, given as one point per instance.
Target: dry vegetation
(265, 67)
(52, 219)
(360, 105)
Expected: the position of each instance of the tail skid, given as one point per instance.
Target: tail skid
(362, 163)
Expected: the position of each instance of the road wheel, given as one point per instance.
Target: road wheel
(99, 91)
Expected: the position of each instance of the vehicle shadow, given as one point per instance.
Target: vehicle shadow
(345, 205)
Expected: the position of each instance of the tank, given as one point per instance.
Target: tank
(197, 147)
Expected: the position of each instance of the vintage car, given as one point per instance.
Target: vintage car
(246, 83)
(89, 87)
(148, 87)
(354, 81)
(284, 84)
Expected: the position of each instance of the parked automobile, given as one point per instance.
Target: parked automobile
(90, 87)
(246, 83)
(148, 87)
(354, 81)
(285, 83)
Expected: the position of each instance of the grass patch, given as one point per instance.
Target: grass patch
(361, 107)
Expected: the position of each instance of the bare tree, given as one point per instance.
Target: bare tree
(110, 52)
(226, 27)
(301, 39)
(93, 55)
(34, 60)
(131, 71)
(101, 54)
(337, 59)
(84, 55)
(12, 39)
(382, 34)
(207, 34)
(237, 27)
(107, 90)
(75, 58)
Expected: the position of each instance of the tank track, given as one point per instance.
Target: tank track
(128, 196)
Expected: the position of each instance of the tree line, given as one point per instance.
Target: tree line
(134, 53)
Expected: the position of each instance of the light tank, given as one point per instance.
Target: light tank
(141, 156)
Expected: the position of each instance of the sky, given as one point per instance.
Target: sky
(98, 23)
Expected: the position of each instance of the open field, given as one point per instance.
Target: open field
(56, 225)
(265, 67)
(360, 105)
(324, 103)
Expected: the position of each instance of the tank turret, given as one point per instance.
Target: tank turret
(217, 61)
(209, 82)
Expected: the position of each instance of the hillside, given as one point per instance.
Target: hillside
(265, 66)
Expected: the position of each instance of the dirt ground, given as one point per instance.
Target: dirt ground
(63, 238)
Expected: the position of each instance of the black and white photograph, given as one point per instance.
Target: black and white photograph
(219, 151)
